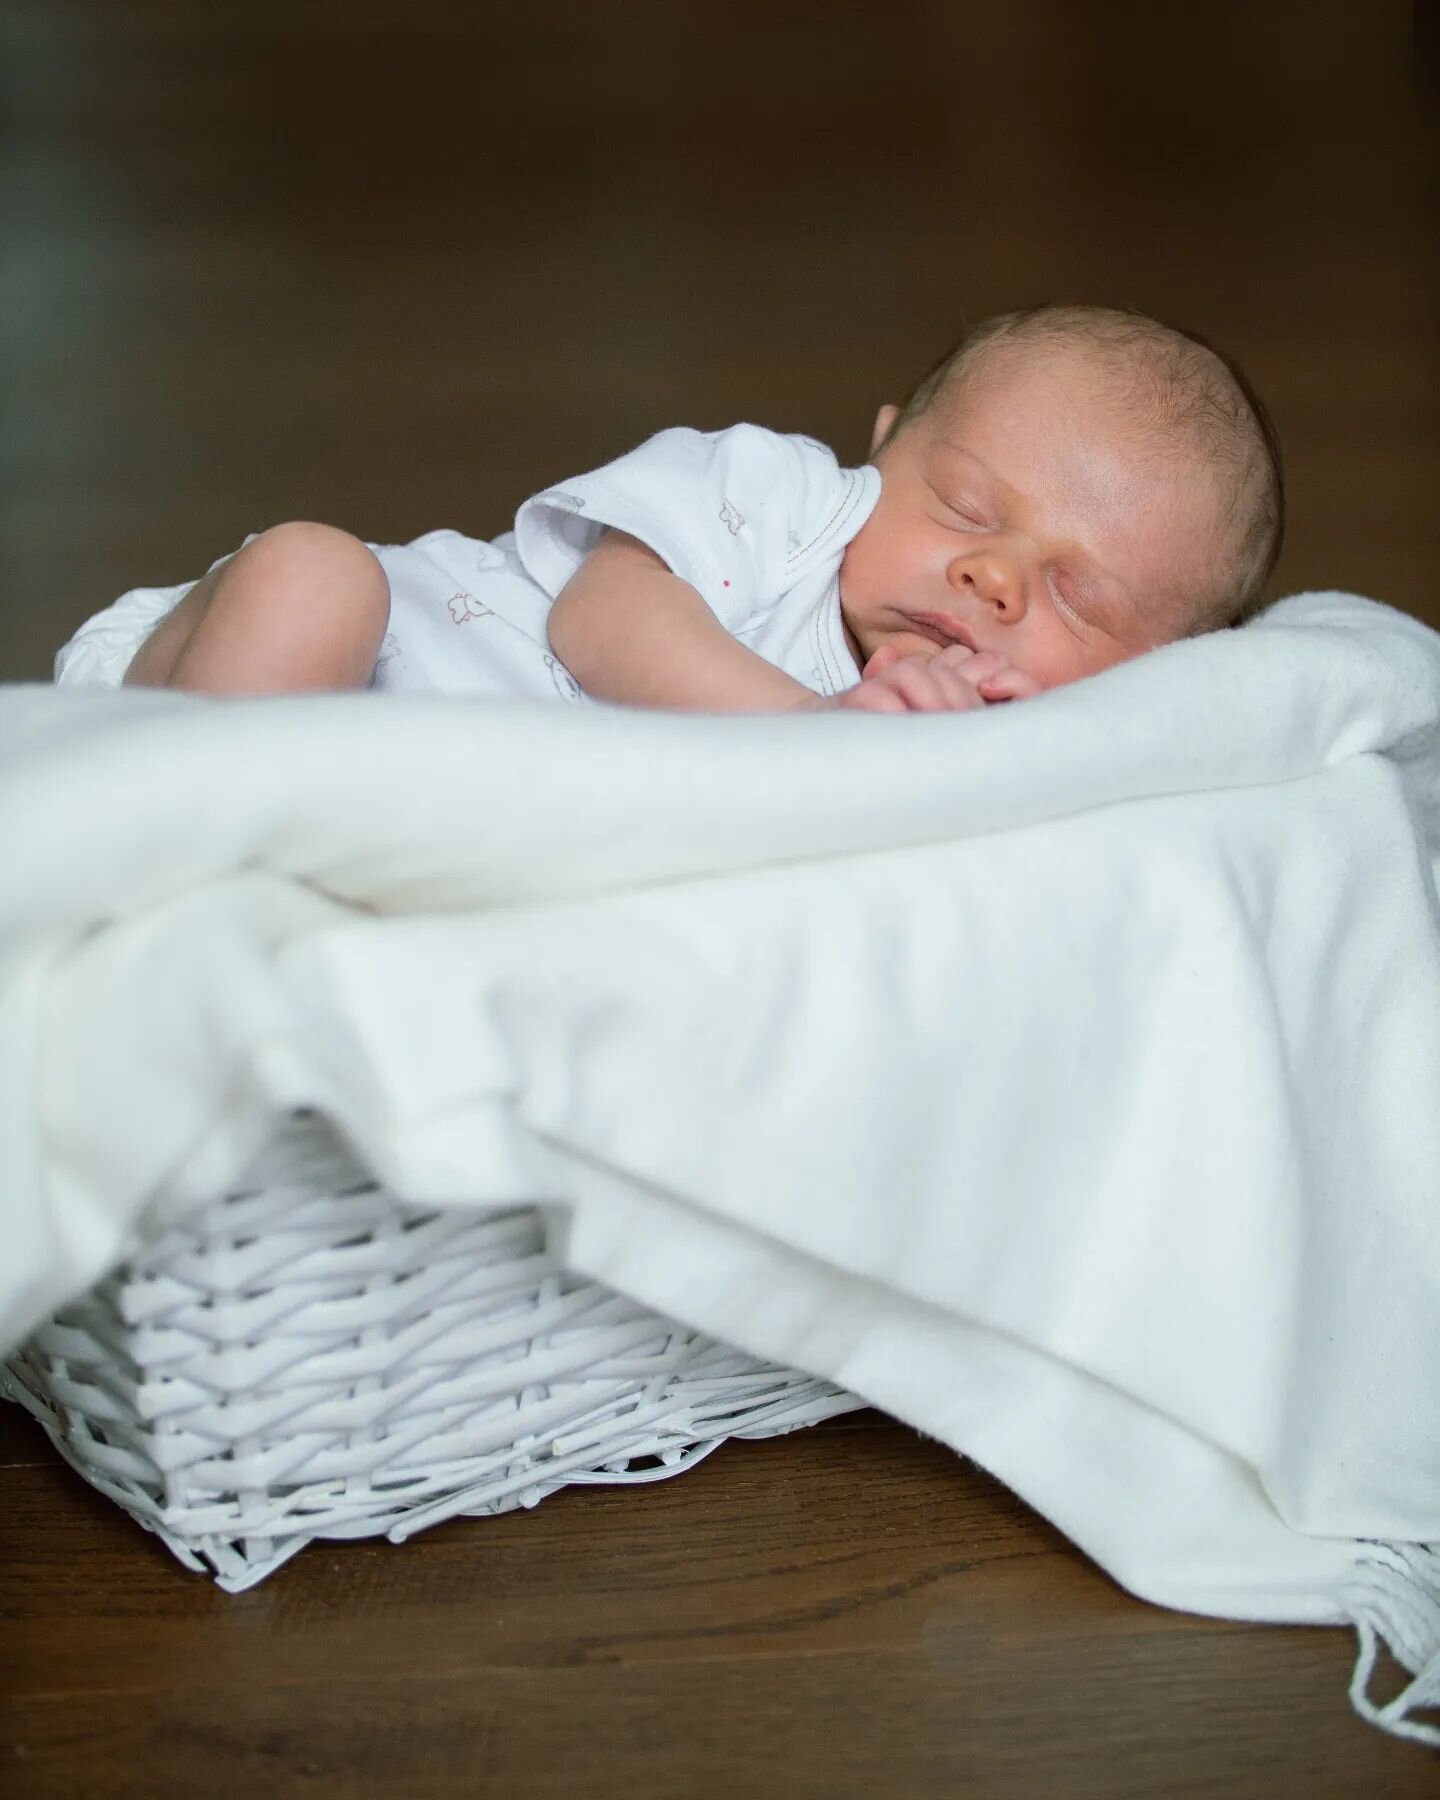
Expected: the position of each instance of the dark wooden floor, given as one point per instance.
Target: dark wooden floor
(846, 1612)
(395, 264)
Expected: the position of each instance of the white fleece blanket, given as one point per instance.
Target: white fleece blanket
(1063, 1078)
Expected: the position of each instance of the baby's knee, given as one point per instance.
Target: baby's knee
(302, 554)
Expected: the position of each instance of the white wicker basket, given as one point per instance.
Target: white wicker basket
(311, 1358)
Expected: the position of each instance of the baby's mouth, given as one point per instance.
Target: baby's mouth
(942, 629)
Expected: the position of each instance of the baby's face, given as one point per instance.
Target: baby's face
(1021, 514)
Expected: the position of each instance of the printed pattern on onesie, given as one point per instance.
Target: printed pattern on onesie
(465, 618)
(755, 521)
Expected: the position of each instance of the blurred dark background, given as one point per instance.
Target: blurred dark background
(395, 264)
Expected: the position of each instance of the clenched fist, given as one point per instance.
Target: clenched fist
(952, 680)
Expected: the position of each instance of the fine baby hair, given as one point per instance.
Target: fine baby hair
(1183, 393)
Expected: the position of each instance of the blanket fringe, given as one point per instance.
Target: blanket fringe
(1393, 1597)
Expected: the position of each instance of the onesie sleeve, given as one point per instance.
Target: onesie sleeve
(740, 514)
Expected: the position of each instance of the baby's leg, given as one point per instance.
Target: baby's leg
(301, 606)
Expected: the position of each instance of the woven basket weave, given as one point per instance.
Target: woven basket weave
(311, 1358)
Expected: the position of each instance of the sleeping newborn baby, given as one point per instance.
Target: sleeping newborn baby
(1070, 487)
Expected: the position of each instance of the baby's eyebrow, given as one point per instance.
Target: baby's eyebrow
(943, 478)
(956, 448)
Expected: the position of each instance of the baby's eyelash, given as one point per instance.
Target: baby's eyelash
(962, 509)
(1064, 606)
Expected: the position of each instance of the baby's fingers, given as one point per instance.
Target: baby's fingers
(884, 658)
(923, 688)
(868, 696)
(1008, 684)
(970, 665)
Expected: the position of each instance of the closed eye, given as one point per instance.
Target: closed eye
(969, 511)
(1064, 605)
(969, 514)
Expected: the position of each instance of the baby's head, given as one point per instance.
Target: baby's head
(1071, 486)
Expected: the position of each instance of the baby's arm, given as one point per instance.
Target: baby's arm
(629, 630)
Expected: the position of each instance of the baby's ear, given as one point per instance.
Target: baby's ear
(884, 419)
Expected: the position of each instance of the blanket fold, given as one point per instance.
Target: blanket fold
(1063, 1078)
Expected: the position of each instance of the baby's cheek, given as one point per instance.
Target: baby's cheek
(1061, 673)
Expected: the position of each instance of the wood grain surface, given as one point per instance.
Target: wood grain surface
(396, 264)
(848, 1611)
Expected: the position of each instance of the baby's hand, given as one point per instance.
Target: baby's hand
(952, 680)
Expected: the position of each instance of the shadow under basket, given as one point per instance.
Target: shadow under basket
(312, 1358)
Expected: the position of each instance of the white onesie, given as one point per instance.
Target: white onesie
(755, 521)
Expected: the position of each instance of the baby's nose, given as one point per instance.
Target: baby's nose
(991, 578)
